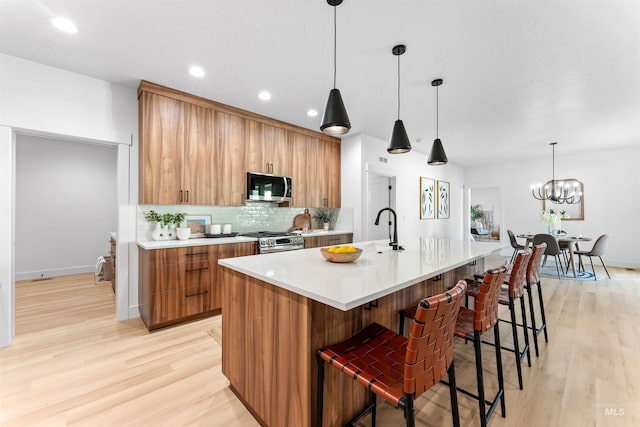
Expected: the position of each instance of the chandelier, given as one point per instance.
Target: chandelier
(560, 191)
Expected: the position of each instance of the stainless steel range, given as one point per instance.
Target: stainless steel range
(274, 241)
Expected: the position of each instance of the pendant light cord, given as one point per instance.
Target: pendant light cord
(437, 112)
(398, 87)
(335, 45)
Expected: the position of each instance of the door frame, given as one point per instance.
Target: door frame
(370, 170)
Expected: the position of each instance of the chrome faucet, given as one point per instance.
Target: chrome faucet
(394, 242)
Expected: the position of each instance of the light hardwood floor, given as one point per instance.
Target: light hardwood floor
(73, 364)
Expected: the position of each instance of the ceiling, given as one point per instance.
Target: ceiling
(517, 74)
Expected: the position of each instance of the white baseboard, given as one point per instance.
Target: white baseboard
(55, 272)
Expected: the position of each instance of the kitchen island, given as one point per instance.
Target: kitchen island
(279, 308)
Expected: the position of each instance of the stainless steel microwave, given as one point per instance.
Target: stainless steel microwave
(263, 187)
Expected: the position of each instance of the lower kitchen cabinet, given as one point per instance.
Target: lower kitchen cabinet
(330, 240)
(180, 284)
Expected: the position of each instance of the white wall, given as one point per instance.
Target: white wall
(611, 180)
(362, 152)
(38, 99)
(66, 205)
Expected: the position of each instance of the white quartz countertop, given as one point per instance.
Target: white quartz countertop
(166, 244)
(378, 272)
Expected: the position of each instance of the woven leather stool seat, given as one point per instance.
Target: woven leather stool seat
(376, 354)
(397, 368)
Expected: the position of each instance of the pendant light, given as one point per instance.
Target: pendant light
(558, 191)
(399, 142)
(437, 155)
(335, 120)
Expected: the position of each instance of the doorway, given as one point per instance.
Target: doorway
(66, 205)
(487, 201)
(381, 194)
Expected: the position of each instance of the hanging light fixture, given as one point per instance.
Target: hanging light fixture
(559, 192)
(335, 120)
(437, 156)
(399, 142)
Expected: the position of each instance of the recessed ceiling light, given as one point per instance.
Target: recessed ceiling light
(63, 24)
(264, 95)
(196, 71)
(312, 113)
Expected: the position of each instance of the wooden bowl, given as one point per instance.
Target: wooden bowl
(341, 256)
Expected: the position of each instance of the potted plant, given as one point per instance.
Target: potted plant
(182, 231)
(325, 216)
(165, 224)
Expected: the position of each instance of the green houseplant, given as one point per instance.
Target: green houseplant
(476, 213)
(325, 216)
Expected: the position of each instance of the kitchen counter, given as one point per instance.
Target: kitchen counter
(279, 308)
(165, 244)
(378, 272)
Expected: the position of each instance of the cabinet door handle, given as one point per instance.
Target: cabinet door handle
(326, 201)
(197, 253)
(187, 198)
(180, 196)
(196, 294)
(191, 270)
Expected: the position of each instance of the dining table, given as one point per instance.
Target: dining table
(570, 241)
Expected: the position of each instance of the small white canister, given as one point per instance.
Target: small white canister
(214, 228)
(226, 229)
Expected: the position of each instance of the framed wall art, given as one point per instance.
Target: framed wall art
(427, 198)
(197, 224)
(443, 200)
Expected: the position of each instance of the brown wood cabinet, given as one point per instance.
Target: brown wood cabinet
(197, 151)
(268, 149)
(161, 149)
(179, 284)
(330, 240)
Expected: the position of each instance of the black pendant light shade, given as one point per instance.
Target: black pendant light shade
(437, 156)
(335, 120)
(399, 142)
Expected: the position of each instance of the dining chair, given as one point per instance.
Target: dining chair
(553, 249)
(599, 248)
(514, 244)
(396, 368)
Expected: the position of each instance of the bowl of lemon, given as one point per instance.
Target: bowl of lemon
(341, 253)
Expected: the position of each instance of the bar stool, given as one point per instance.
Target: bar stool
(471, 324)
(533, 279)
(515, 290)
(396, 368)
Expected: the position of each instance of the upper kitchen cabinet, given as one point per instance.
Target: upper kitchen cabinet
(316, 171)
(162, 142)
(197, 151)
(176, 151)
(268, 149)
(229, 168)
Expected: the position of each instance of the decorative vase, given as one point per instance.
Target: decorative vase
(325, 226)
(158, 233)
(183, 233)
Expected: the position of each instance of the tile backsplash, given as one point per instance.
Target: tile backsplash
(253, 217)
